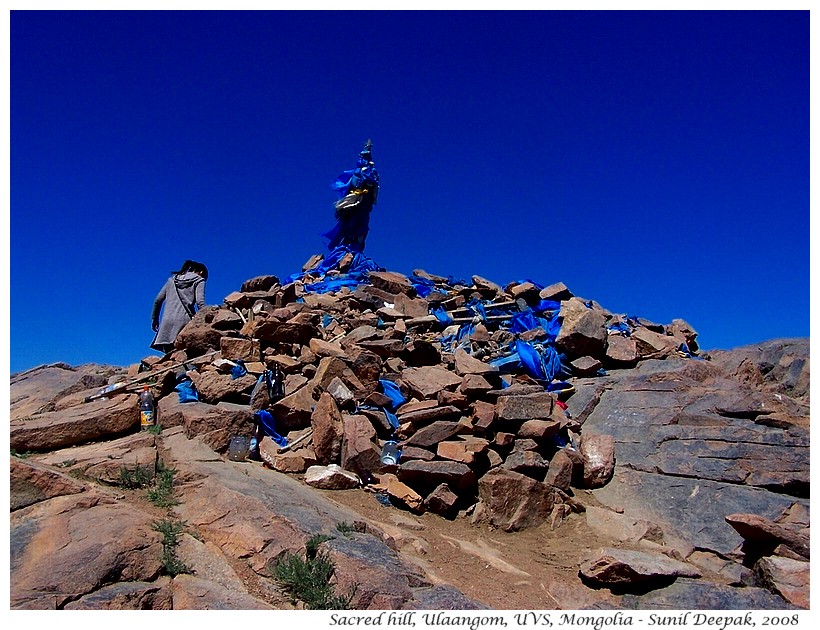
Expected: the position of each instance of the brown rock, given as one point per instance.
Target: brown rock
(529, 463)
(331, 477)
(559, 472)
(433, 434)
(598, 452)
(418, 472)
(585, 366)
(455, 399)
(328, 430)
(415, 452)
(427, 382)
(200, 335)
(107, 461)
(259, 283)
(32, 482)
(539, 429)
(359, 452)
(214, 387)
(441, 501)
(483, 415)
(557, 292)
(392, 282)
(50, 540)
(786, 577)
(297, 461)
(615, 567)
(622, 527)
(322, 348)
(341, 393)
(464, 450)
(423, 417)
(294, 410)
(95, 420)
(621, 351)
(761, 530)
(155, 595)
(504, 439)
(526, 407)
(333, 367)
(411, 307)
(512, 501)
(400, 491)
(467, 364)
(474, 386)
(653, 345)
(216, 424)
(583, 331)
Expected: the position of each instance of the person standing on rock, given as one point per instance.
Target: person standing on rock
(183, 291)
(358, 189)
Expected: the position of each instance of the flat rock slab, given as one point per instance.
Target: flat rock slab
(616, 567)
(96, 420)
(105, 461)
(32, 483)
(70, 546)
(689, 594)
(36, 390)
(255, 514)
(690, 509)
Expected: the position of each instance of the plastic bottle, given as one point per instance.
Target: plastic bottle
(391, 453)
(147, 411)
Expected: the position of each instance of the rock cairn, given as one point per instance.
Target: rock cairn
(434, 363)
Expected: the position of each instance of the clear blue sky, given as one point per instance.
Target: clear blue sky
(656, 162)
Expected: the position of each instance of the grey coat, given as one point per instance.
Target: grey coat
(180, 294)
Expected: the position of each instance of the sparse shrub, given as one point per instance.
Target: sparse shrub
(345, 528)
(136, 478)
(170, 531)
(308, 579)
(162, 495)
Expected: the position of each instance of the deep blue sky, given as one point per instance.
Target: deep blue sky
(656, 162)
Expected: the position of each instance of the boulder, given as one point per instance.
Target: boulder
(583, 330)
(427, 382)
(786, 577)
(620, 567)
(328, 430)
(525, 407)
(512, 501)
(331, 477)
(598, 453)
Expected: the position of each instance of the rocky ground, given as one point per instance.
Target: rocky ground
(682, 481)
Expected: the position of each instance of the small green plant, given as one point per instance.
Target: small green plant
(162, 494)
(68, 463)
(170, 531)
(308, 579)
(345, 528)
(136, 478)
(22, 455)
(154, 429)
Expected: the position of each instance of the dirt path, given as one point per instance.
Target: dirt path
(535, 569)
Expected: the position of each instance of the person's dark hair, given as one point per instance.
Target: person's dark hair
(192, 265)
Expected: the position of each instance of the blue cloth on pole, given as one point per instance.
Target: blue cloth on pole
(356, 274)
(265, 420)
(477, 308)
(441, 315)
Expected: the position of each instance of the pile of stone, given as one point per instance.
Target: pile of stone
(472, 438)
